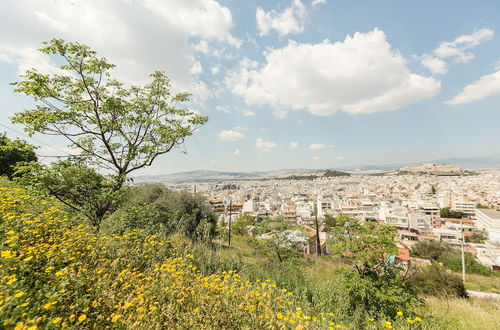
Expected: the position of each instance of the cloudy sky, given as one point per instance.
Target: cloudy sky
(287, 84)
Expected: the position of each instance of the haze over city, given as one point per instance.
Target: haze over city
(288, 84)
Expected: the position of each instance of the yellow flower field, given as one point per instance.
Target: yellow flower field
(57, 272)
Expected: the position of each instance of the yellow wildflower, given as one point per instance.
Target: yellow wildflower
(7, 254)
(279, 316)
(399, 314)
(115, 317)
(56, 320)
(82, 318)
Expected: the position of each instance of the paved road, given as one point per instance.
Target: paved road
(483, 294)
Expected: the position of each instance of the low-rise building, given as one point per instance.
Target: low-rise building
(489, 221)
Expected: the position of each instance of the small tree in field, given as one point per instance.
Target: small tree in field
(373, 282)
(14, 152)
(120, 128)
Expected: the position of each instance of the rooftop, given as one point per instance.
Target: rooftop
(494, 214)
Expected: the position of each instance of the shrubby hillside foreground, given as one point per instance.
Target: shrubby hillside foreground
(58, 272)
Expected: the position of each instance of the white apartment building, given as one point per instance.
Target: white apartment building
(467, 207)
(489, 220)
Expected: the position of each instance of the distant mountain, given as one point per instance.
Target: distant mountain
(310, 175)
(468, 163)
(212, 176)
(473, 163)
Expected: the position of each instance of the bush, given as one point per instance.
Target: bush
(435, 280)
(13, 152)
(156, 208)
(450, 257)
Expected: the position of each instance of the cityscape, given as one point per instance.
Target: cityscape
(409, 199)
(217, 164)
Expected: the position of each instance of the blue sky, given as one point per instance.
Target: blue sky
(288, 84)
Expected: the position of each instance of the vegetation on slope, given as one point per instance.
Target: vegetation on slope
(58, 272)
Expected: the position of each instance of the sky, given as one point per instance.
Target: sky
(285, 84)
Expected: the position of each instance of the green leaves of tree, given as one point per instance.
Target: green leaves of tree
(13, 152)
(121, 128)
(365, 246)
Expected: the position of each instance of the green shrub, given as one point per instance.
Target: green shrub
(450, 257)
(156, 208)
(437, 281)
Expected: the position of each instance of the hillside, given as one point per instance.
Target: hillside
(58, 272)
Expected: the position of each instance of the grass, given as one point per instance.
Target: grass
(55, 271)
(473, 313)
(483, 283)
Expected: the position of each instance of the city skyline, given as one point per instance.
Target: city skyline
(288, 84)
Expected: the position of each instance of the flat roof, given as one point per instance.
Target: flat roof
(494, 214)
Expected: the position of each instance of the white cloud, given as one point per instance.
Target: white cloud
(293, 145)
(201, 47)
(436, 65)
(265, 145)
(230, 135)
(26, 58)
(317, 146)
(122, 31)
(317, 2)
(222, 108)
(215, 70)
(361, 74)
(457, 49)
(340, 157)
(237, 152)
(196, 68)
(290, 20)
(248, 113)
(315, 158)
(203, 18)
(486, 86)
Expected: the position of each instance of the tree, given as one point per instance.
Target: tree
(330, 222)
(120, 128)
(242, 224)
(373, 283)
(447, 213)
(76, 185)
(13, 152)
(365, 246)
(278, 238)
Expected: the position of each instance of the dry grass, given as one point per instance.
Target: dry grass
(483, 283)
(474, 313)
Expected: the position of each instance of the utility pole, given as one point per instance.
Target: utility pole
(318, 242)
(230, 214)
(463, 255)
